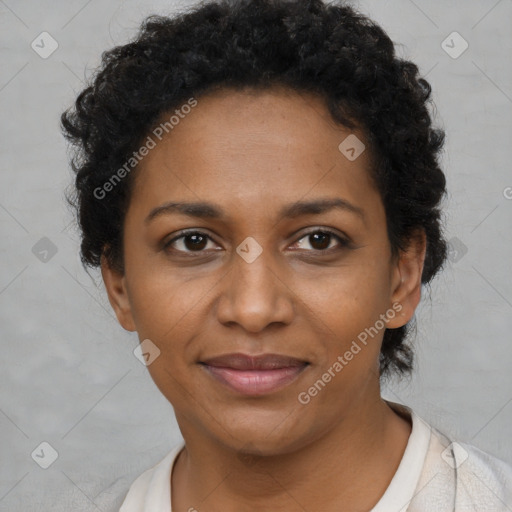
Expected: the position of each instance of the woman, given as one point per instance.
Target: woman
(259, 183)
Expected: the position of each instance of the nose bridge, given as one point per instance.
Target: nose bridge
(255, 295)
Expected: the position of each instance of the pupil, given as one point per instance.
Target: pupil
(324, 238)
(196, 244)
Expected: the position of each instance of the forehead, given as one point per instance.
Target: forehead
(254, 147)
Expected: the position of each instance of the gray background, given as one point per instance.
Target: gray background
(68, 374)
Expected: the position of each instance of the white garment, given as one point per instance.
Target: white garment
(434, 475)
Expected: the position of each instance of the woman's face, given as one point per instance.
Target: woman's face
(261, 276)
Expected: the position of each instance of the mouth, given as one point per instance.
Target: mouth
(254, 375)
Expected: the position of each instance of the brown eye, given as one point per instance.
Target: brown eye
(195, 242)
(321, 240)
(188, 242)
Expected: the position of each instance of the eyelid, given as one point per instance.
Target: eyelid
(343, 240)
(323, 229)
(186, 232)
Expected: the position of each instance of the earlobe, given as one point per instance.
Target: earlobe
(115, 284)
(406, 279)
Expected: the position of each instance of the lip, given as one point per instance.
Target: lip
(254, 375)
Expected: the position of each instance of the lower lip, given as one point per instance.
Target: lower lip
(255, 382)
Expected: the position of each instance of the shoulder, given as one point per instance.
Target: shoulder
(138, 490)
(151, 490)
(483, 479)
(460, 477)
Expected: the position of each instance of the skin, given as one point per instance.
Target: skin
(251, 153)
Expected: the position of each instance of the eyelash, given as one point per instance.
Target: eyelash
(343, 242)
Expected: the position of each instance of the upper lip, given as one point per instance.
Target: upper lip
(240, 361)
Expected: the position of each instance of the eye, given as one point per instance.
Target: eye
(197, 241)
(188, 242)
(321, 239)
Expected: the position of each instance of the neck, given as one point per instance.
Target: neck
(352, 464)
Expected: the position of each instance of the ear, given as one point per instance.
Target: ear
(115, 284)
(406, 279)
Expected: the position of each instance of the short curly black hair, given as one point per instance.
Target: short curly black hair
(330, 50)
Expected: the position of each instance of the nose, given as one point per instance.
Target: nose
(255, 295)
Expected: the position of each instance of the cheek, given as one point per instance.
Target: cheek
(348, 298)
(348, 344)
(346, 309)
(163, 303)
(171, 313)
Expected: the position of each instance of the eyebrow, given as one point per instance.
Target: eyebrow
(293, 210)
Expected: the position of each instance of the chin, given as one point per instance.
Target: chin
(264, 438)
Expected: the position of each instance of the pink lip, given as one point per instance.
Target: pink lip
(254, 375)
